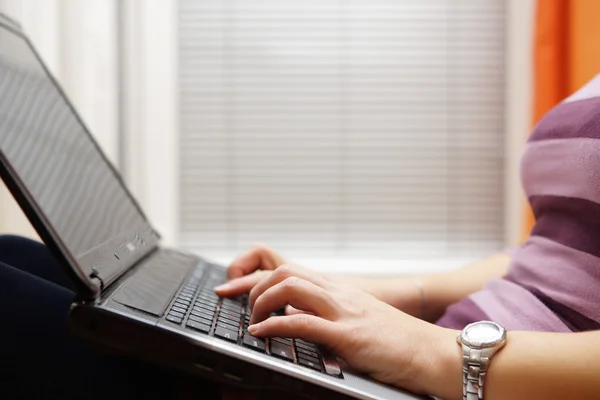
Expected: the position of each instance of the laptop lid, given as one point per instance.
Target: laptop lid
(54, 168)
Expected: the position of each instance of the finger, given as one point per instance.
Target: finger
(259, 257)
(238, 286)
(279, 275)
(289, 310)
(302, 326)
(297, 292)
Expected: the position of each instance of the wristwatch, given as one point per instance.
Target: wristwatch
(480, 341)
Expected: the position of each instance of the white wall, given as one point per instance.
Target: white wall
(77, 40)
(519, 81)
(150, 110)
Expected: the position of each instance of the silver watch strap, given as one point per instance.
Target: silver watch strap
(475, 363)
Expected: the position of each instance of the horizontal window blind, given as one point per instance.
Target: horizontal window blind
(342, 129)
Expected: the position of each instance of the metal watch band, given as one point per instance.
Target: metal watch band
(475, 364)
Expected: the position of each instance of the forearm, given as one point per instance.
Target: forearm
(532, 365)
(442, 290)
(439, 290)
(400, 292)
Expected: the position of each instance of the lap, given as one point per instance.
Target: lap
(39, 358)
(33, 257)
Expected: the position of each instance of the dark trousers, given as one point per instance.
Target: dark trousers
(39, 359)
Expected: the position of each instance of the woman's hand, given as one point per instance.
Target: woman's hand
(371, 336)
(248, 269)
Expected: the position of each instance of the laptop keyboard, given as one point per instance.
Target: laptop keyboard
(198, 308)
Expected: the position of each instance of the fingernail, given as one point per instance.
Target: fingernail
(224, 286)
(253, 328)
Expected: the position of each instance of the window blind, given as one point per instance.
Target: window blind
(342, 129)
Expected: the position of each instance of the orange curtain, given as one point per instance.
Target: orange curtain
(566, 55)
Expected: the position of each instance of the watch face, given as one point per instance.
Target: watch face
(483, 334)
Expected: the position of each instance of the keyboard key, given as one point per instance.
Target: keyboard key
(331, 365)
(235, 314)
(227, 325)
(303, 345)
(310, 364)
(203, 313)
(231, 318)
(206, 304)
(201, 319)
(308, 358)
(182, 303)
(254, 343)
(281, 350)
(208, 296)
(226, 334)
(282, 340)
(232, 302)
(176, 314)
(305, 352)
(179, 309)
(174, 319)
(198, 326)
(204, 307)
(233, 308)
(206, 299)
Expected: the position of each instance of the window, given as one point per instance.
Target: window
(340, 129)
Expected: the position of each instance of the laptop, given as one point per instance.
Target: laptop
(135, 296)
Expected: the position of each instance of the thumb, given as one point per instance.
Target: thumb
(299, 326)
(239, 286)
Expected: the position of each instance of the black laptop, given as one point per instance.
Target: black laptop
(133, 295)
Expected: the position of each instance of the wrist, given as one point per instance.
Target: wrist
(384, 289)
(438, 366)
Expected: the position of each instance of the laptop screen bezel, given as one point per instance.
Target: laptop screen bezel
(89, 279)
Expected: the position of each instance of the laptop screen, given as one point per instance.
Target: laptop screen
(75, 189)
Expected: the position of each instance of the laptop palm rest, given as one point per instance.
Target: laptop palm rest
(152, 286)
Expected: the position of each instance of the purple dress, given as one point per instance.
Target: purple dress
(553, 281)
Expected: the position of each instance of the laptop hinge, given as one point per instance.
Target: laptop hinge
(96, 278)
(105, 276)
